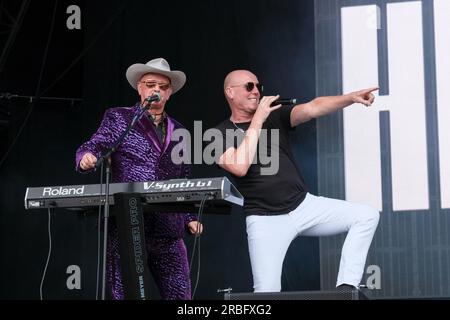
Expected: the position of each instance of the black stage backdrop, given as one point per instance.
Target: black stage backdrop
(205, 39)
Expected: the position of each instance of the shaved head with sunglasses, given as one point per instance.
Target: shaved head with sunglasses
(278, 205)
(243, 92)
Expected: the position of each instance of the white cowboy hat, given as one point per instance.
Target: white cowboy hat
(159, 66)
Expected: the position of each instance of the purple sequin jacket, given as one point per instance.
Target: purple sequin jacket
(140, 157)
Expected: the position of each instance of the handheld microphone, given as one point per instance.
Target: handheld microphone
(284, 102)
(154, 98)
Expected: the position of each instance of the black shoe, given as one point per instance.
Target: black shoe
(345, 287)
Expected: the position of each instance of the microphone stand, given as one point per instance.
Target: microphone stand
(99, 163)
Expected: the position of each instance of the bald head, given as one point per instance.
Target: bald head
(238, 77)
(242, 91)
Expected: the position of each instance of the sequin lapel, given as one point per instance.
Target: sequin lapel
(149, 131)
(170, 127)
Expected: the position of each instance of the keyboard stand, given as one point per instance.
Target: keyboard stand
(132, 248)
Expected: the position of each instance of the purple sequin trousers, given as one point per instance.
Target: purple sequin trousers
(141, 157)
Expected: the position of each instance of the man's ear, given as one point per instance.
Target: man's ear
(229, 93)
(139, 88)
(169, 93)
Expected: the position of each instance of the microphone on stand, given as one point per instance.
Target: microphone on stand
(284, 102)
(154, 98)
(106, 154)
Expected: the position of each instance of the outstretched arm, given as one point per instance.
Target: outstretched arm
(325, 105)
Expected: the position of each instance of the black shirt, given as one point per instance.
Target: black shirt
(274, 194)
(160, 128)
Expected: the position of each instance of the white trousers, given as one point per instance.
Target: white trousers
(269, 238)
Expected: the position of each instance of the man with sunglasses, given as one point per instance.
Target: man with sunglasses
(278, 206)
(145, 155)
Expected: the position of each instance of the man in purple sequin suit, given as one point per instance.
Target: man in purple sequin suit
(145, 155)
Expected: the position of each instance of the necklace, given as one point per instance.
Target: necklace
(153, 116)
(234, 124)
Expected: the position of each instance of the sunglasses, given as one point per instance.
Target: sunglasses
(152, 84)
(249, 86)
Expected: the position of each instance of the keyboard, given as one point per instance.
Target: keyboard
(166, 195)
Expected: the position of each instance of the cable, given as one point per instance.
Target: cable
(99, 221)
(38, 87)
(196, 236)
(15, 28)
(74, 62)
(48, 255)
(199, 220)
(198, 269)
(38, 94)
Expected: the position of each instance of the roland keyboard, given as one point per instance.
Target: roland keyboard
(168, 195)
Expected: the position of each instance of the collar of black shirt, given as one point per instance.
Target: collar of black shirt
(163, 121)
